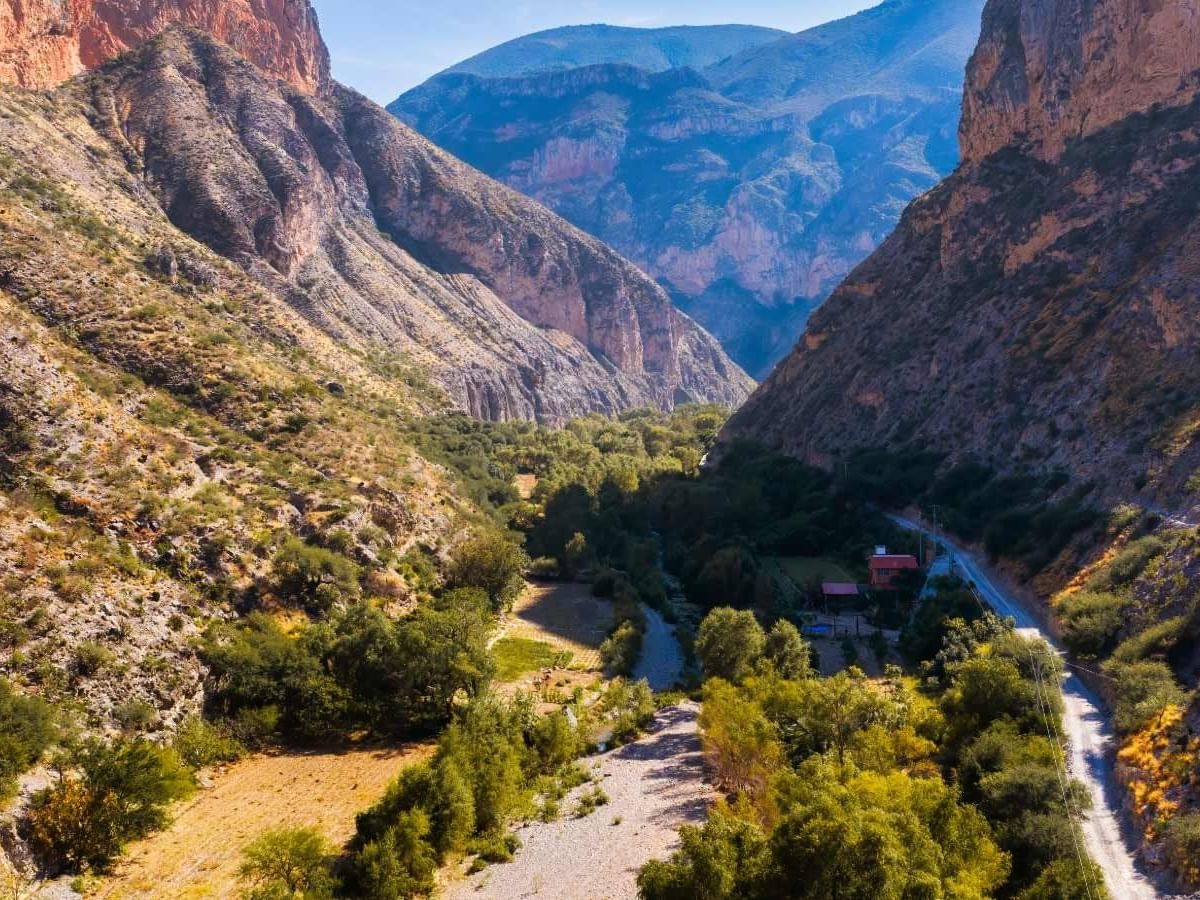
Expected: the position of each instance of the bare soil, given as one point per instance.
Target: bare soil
(198, 856)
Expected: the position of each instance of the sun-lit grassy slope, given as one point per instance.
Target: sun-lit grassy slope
(164, 424)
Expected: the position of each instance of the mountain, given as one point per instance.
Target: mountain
(1038, 307)
(652, 49)
(389, 244)
(748, 188)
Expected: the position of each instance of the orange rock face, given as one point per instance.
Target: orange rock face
(1050, 72)
(45, 42)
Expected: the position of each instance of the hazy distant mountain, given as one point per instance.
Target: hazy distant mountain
(749, 187)
(653, 49)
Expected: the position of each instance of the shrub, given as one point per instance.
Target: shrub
(787, 652)
(620, 650)
(26, 730)
(314, 577)
(286, 863)
(92, 658)
(1143, 691)
(1157, 640)
(135, 716)
(1091, 621)
(200, 744)
(1181, 837)
(401, 863)
(121, 793)
(1128, 564)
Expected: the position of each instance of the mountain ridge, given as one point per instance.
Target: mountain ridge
(747, 210)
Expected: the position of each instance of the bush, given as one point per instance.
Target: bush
(1157, 640)
(92, 658)
(1181, 837)
(621, 649)
(787, 652)
(286, 863)
(314, 577)
(200, 744)
(135, 716)
(26, 729)
(1091, 621)
(1143, 691)
(121, 793)
(1128, 564)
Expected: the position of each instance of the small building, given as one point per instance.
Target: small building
(839, 590)
(885, 567)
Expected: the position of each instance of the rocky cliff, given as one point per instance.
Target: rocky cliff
(1048, 73)
(748, 189)
(1038, 307)
(388, 242)
(45, 42)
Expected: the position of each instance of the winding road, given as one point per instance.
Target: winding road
(1089, 735)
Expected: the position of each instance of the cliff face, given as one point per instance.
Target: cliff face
(1049, 72)
(748, 189)
(1026, 311)
(45, 42)
(386, 241)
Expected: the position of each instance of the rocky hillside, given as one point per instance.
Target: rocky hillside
(165, 424)
(652, 49)
(45, 42)
(1039, 306)
(748, 188)
(389, 244)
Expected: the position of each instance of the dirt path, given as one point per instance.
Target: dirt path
(661, 662)
(654, 786)
(1091, 745)
(199, 854)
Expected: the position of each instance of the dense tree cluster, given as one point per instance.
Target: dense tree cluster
(852, 788)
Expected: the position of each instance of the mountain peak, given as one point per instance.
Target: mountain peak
(45, 42)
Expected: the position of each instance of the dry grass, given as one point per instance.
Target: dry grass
(199, 854)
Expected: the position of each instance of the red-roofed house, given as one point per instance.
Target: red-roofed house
(839, 589)
(886, 566)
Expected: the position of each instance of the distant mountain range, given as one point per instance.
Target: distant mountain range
(652, 49)
(748, 171)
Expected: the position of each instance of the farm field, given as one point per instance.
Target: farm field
(198, 856)
(805, 570)
(564, 617)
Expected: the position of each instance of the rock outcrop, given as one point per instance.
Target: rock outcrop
(1049, 73)
(388, 242)
(1029, 312)
(748, 189)
(45, 42)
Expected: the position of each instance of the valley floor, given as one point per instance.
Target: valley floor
(654, 786)
(198, 856)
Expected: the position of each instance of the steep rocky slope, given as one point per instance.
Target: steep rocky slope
(164, 424)
(1039, 306)
(388, 243)
(748, 189)
(652, 49)
(45, 42)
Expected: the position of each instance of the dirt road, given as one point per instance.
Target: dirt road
(1090, 739)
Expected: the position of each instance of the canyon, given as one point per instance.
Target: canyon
(748, 187)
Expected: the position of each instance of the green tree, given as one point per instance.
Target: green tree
(787, 652)
(401, 863)
(27, 728)
(121, 793)
(729, 643)
(493, 564)
(287, 864)
(727, 859)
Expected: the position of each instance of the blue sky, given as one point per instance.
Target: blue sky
(384, 47)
